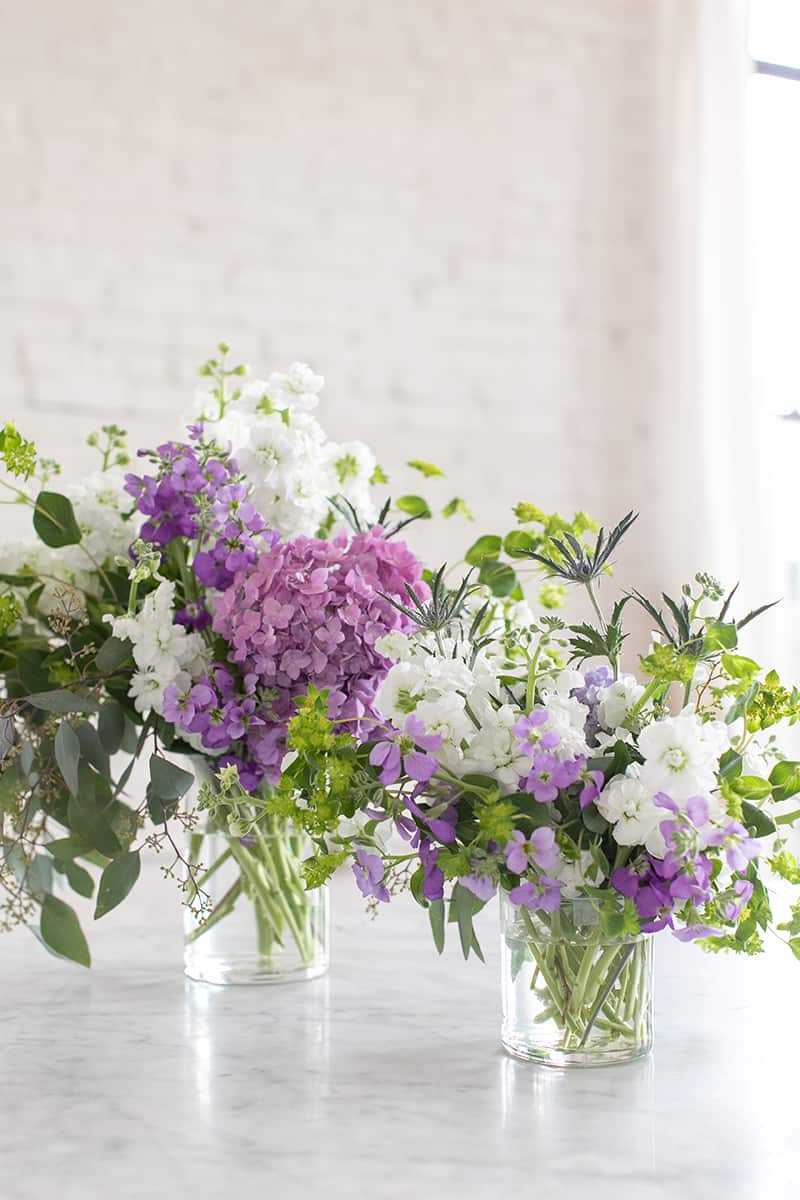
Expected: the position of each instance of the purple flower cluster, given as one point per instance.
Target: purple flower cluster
(197, 496)
(548, 776)
(660, 886)
(305, 612)
(589, 694)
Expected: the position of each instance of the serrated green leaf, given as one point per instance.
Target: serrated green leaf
(61, 931)
(116, 882)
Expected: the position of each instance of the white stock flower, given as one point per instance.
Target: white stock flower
(616, 701)
(627, 803)
(567, 716)
(494, 750)
(395, 645)
(575, 875)
(681, 756)
(163, 651)
(401, 692)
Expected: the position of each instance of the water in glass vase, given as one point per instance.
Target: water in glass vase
(258, 924)
(572, 994)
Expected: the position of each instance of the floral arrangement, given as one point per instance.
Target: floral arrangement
(513, 754)
(174, 613)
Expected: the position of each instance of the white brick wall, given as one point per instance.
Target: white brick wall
(444, 205)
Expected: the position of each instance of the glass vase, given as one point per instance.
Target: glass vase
(253, 921)
(572, 994)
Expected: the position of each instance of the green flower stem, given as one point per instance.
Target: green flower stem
(588, 985)
(222, 909)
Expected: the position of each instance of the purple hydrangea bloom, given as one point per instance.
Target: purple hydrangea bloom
(369, 872)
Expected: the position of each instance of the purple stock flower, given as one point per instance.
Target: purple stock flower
(481, 885)
(369, 872)
(443, 826)
(406, 751)
(540, 848)
(194, 616)
(433, 881)
(544, 894)
(737, 844)
(691, 932)
(738, 896)
(592, 787)
(589, 695)
(529, 732)
(541, 781)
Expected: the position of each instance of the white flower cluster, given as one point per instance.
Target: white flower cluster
(459, 695)
(681, 755)
(100, 505)
(285, 453)
(164, 652)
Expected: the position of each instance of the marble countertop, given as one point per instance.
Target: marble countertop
(384, 1079)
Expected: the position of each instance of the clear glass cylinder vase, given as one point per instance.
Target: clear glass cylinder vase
(572, 994)
(252, 920)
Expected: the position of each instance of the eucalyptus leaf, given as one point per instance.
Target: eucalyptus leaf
(61, 932)
(68, 754)
(111, 726)
(116, 882)
(436, 917)
(54, 520)
(112, 654)
(62, 701)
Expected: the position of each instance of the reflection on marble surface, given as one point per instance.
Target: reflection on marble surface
(383, 1079)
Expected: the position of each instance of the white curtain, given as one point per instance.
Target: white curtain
(711, 476)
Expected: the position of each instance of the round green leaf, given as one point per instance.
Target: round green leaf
(54, 520)
(498, 577)
(488, 546)
(415, 506)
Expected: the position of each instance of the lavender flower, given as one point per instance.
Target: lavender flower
(544, 894)
(407, 751)
(369, 872)
(540, 848)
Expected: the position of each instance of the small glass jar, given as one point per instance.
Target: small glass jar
(572, 994)
(249, 918)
